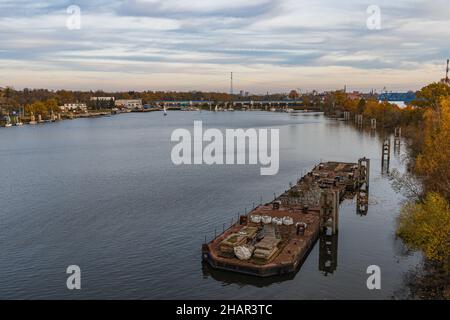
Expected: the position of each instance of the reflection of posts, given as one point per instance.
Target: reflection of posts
(386, 156)
(397, 138)
(397, 145)
(328, 253)
(362, 202)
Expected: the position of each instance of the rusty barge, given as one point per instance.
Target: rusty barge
(275, 238)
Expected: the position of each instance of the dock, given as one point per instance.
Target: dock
(275, 238)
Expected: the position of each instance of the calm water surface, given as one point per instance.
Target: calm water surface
(103, 194)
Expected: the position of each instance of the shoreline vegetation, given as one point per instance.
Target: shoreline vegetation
(424, 220)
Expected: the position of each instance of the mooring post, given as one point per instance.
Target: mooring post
(386, 155)
(329, 210)
(360, 120)
(346, 115)
(362, 195)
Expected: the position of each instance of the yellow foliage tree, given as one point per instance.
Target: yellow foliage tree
(426, 226)
(433, 163)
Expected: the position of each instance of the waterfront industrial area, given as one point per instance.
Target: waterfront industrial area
(12, 114)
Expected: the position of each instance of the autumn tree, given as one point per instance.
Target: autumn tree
(425, 226)
(293, 95)
(433, 163)
(431, 95)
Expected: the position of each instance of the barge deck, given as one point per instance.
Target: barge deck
(275, 238)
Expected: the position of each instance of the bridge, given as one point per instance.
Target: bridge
(247, 104)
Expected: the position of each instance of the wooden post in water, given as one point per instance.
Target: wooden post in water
(359, 118)
(346, 115)
(362, 195)
(329, 210)
(386, 155)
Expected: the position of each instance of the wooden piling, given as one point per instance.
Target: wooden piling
(386, 155)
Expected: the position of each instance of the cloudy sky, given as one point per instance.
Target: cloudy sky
(270, 45)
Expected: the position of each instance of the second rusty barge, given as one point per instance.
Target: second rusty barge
(275, 238)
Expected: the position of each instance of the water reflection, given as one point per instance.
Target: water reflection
(397, 145)
(227, 277)
(328, 253)
(362, 202)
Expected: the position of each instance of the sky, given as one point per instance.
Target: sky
(184, 45)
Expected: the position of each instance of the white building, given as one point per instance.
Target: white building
(102, 98)
(73, 106)
(129, 104)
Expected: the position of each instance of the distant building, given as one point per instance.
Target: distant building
(73, 106)
(129, 104)
(355, 95)
(102, 98)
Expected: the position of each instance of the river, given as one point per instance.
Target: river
(103, 194)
